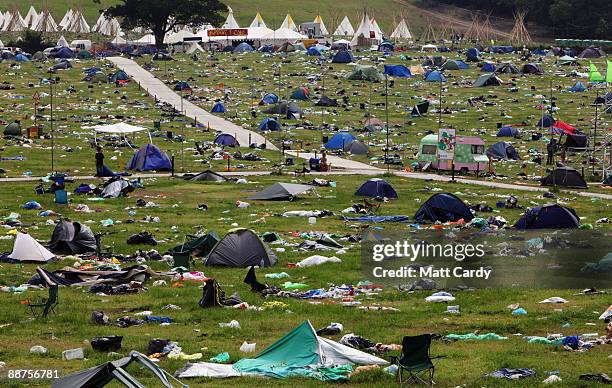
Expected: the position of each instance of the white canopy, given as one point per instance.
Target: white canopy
(230, 22)
(289, 24)
(178, 37)
(31, 17)
(319, 20)
(283, 35)
(26, 248)
(401, 31)
(118, 128)
(258, 21)
(345, 28)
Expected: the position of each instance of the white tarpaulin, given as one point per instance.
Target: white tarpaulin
(118, 128)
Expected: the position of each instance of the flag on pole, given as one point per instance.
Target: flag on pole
(594, 74)
(609, 72)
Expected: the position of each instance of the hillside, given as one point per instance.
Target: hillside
(386, 12)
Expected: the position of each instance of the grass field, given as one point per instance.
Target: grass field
(196, 329)
(78, 105)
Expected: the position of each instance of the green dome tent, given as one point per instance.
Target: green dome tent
(366, 73)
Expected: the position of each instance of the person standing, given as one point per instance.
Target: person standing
(550, 150)
(99, 161)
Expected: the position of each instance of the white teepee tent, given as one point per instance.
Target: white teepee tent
(78, 24)
(258, 21)
(62, 42)
(319, 20)
(345, 28)
(14, 23)
(66, 19)
(365, 31)
(289, 24)
(230, 22)
(1, 20)
(31, 17)
(401, 32)
(376, 28)
(45, 22)
(26, 248)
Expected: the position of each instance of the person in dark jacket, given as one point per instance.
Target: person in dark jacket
(99, 161)
(550, 150)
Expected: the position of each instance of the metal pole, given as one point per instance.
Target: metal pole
(595, 132)
(387, 119)
(440, 108)
(52, 131)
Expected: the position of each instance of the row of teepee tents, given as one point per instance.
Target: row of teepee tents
(73, 21)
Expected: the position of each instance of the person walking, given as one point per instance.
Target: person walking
(99, 161)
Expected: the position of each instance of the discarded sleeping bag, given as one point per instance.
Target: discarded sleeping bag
(106, 344)
(145, 238)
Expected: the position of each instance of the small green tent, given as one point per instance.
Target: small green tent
(13, 129)
(366, 73)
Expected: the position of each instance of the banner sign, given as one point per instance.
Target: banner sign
(228, 32)
(446, 143)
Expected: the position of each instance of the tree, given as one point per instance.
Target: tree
(31, 42)
(161, 16)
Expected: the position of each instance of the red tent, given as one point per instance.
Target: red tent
(561, 127)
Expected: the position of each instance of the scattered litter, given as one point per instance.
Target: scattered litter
(233, 324)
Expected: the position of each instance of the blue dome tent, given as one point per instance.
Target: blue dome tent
(269, 99)
(435, 76)
(269, 124)
(219, 108)
(268, 48)
(578, 87)
(301, 94)
(339, 140)
(397, 71)
(552, 216)
(472, 55)
(313, 52)
(503, 151)
(343, 56)
(119, 75)
(62, 53)
(182, 86)
(148, 158)
(443, 207)
(545, 122)
(376, 188)
(243, 47)
(225, 139)
(508, 131)
(488, 67)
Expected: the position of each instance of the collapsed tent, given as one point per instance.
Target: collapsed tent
(443, 207)
(198, 246)
(27, 249)
(578, 87)
(326, 101)
(69, 276)
(208, 176)
(565, 177)
(552, 216)
(503, 151)
(150, 158)
(101, 375)
(241, 248)
(376, 188)
(546, 121)
(508, 131)
(592, 52)
(281, 191)
(71, 238)
(301, 352)
(288, 108)
(339, 140)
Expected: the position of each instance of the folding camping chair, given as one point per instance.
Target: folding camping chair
(416, 360)
(45, 304)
